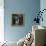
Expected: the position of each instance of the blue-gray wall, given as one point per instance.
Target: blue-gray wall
(43, 6)
(29, 8)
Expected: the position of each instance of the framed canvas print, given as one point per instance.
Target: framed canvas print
(17, 19)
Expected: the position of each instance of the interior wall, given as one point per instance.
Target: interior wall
(43, 6)
(29, 8)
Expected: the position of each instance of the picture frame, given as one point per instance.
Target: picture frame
(17, 19)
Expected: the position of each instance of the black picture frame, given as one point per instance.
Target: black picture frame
(17, 19)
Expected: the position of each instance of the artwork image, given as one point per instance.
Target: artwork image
(17, 19)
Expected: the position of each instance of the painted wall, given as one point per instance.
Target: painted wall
(43, 6)
(29, 8)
